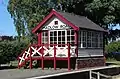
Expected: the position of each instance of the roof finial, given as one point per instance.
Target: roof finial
(53, 9)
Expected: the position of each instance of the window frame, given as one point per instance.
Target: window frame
(61, 36)
(95, 41)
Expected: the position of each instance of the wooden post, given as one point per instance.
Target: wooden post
(98, 75)
(42, 61)
(90, 74)
(76, 42)
(30, 58)
(39, 38)
(68, 56)
(54, 57)
(18, 64)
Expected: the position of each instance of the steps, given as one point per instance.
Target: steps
(44, 52)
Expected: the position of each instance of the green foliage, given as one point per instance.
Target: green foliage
(9, 50)
(104, 12)
(28, 13)
(113, 47)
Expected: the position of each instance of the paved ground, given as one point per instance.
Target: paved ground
(27, 73)
(116, 77)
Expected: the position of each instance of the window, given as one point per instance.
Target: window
(44, 37)
(62, 37)
(70, 37)
(57, 37)
(90, 39)
(56, 23)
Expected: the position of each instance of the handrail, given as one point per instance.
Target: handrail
(98, 75)
(40, 45)
(23, 51)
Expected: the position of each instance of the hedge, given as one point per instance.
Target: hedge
(113, 50)
(9, 50)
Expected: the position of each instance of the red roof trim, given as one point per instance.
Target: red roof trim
(66, 21)
(53, 12)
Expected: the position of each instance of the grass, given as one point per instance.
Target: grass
(14, 63)
(112, 61)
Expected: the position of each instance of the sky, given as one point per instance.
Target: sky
(6, 22)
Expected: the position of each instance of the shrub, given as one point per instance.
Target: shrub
(9, 50)
(113, 50)
(113, 47)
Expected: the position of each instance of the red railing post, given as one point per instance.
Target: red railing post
(68, 56)
(42, 62)
(18, 63)
(54, 57)
(30, 58)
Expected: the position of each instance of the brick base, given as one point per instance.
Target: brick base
(90, 62)
(75, 63)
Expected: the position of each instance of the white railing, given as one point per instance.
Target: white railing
(45, 51)
(98, 75)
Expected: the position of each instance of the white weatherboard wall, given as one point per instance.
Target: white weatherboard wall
(89, 52)
(50, 25)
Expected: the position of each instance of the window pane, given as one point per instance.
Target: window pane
(51, 42)
(68, 38)
(72, 32)
(59, 42)
(55, 42)
(88, 44)
(63, 38)
(42, 40)
(51, 34)
(63, 44)
(72, 43)
(63, 33)
(72, 38)
(46, 34)
(84, 44)
(55, 38)
(59, 33)
(68, 32)
(59, 38)
(55, 33)
(51, 39)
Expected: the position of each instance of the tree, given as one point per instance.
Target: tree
(28, 13)
(104, 12)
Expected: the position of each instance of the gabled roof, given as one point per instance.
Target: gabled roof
(75, 21)
(54, 13)
(81, 21)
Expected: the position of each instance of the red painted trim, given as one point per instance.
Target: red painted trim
(65, 20)
(45, 57)
(30, 58)
(53, 12)
(76, 42)
(54, 57)
(49, 58)
(42, 62)
(23, 52)
(39, 38)
(18, 63)
(48, 37)
(68, 57)
(43, 22)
